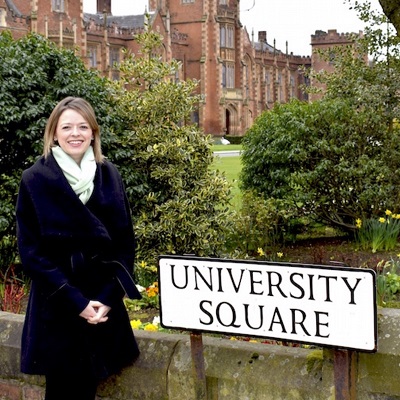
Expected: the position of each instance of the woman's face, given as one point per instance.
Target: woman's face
(73, 134)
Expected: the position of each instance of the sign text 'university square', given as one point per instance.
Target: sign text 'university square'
(318, 304)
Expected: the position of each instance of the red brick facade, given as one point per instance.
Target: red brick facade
(239, 77)
(324, 41)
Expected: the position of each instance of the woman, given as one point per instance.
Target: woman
(76, 243)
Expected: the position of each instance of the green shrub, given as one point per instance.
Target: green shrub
(261, 224)
(329, 161)
(180, 204)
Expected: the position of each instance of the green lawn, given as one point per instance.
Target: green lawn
(226, 147)
(231, 166)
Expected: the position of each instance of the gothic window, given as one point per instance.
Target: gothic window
(114, 56)
(268, 96)
(222, 34)
(292, 86)
(230, 42)
(227, 36)
(280, 91)
(114, 61)
(224, 75)
(247, 81)
(92, 54)
(228, 76)
(58, 5)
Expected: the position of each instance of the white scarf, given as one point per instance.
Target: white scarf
(79, 177)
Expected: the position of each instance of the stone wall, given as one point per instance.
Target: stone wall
(235, 370)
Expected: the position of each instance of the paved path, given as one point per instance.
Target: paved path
(227, 153)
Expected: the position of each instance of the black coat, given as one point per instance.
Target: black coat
(74, 253)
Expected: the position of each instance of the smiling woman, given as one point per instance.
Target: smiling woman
(76, 243)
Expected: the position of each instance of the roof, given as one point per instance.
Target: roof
(126, 21)
(10, 4)
(259, 46)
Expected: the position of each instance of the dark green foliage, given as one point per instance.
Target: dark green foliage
(332, 161)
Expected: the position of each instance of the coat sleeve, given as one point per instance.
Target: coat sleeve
(49, 277)
(122, 236)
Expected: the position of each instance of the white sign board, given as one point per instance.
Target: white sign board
(306, 303)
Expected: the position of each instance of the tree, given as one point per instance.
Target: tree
(391, 8)
(180, 204)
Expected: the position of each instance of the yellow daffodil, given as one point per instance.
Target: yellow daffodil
(151, 328)
(136, 323)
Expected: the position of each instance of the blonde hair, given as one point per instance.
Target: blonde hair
(86, 110)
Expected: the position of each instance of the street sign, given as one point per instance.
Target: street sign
(306, 303)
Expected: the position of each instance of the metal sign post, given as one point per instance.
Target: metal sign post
(344, 366)
(199, 373)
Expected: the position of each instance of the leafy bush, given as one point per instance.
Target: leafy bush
(180, 204)
(261, 224)
(329, 160)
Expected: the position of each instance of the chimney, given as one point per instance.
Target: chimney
(104, 6)
(153, 5)
(262, 36)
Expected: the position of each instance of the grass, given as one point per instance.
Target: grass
(231, 167)
(224, 147)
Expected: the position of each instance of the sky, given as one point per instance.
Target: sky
(293, 21)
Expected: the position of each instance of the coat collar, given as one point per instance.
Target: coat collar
(59, 211)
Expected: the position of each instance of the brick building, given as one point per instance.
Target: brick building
(324, 41)
(239, 77)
